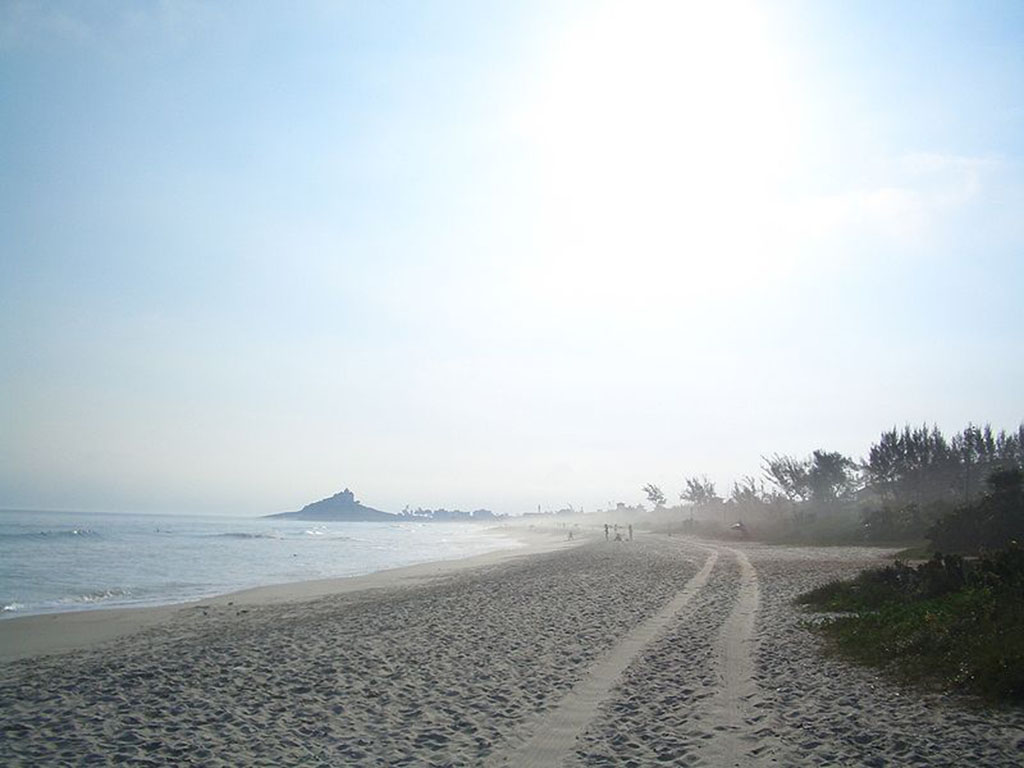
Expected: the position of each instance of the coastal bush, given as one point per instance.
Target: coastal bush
(906, 490)
(950, 622)
(993, 522)
(910, 522)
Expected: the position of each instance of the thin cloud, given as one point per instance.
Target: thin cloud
(923, 189)
(951, 179)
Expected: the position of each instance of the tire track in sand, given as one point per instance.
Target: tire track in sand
(731, 740)
(555, 736)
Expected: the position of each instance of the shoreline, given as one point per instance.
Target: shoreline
(61, 562)
(23, 637)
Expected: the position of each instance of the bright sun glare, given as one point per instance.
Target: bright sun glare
(665, 133)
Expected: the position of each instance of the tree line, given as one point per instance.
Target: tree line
(910, 478)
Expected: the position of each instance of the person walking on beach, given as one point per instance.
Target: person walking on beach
(630, 531)
(606, 531)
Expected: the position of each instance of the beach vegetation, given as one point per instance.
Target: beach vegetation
(955, 621)
(995, 519)
(700, 492)
(654, 495)
(914, 484)
(748, 493)
(789, 476)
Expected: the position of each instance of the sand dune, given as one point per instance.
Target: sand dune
(661, 651)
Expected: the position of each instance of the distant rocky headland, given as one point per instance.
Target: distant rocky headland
(340, 506)
(345, 507)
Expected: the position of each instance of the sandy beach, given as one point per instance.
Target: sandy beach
(660, 651)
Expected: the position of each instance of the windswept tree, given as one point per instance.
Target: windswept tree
(789, 476)
(747, 493)
(654, 495)
(700, 492)
(748, 498)
(818, 483)
(831, 477)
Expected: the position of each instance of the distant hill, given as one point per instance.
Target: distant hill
(340, 506)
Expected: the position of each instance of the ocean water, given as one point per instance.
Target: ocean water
(61, 561)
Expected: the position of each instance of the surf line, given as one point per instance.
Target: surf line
(554, 738)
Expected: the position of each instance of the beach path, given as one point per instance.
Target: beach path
(557, 732)
(730, 707)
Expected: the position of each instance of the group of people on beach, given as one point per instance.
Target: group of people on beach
(618, 533)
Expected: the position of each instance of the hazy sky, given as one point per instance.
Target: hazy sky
(495, 254)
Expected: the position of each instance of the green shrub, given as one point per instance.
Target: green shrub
(992, 523)
(950, 622)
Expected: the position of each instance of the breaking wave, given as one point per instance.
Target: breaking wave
(62, 533)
